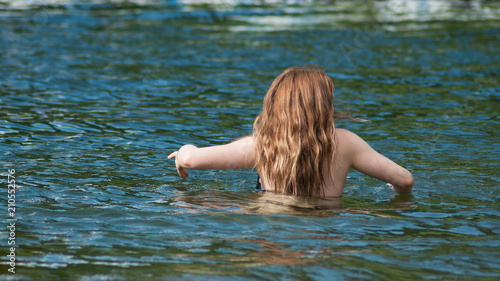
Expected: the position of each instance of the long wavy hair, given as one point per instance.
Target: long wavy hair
(294, 134)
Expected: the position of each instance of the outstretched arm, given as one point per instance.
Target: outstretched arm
(368, 161)
(236, 155)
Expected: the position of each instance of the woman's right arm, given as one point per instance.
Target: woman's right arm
(235, 155)
(368, 161)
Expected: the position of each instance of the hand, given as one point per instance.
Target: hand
(180, 170)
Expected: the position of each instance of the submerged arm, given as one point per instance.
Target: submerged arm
(236, 155)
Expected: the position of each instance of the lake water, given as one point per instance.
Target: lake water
(94, 95)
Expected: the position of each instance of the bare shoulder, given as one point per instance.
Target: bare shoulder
(346, 140)
(350, 145)
(345, 134)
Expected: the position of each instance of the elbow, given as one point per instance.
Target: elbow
(409, 183)
(406, 184)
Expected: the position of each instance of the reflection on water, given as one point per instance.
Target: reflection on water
(265, 203)
(270, 203)
(257, 203)
(95, 94)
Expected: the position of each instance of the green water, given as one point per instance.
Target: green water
(94, 95)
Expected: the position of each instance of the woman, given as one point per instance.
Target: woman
(295, 146)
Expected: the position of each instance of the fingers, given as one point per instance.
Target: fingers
(173, 154)
(180, 170)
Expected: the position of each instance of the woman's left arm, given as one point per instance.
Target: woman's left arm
(235, 155)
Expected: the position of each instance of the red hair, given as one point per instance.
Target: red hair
(295, 132)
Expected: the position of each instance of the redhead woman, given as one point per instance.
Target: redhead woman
(295, 146)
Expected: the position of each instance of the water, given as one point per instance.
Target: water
(94, 95)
